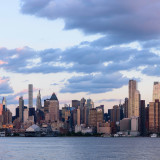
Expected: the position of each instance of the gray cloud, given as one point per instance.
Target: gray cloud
(5, 87)
(95, 83)
(121, 21)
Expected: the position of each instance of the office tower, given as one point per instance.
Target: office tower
(147, 118)
(7, 117)
(82, 104)
(134, 98)
(100, 113)
(30, 95)
(53, 108)
(137, 103)
(88, 105)
(75, 103)
(115, 114)
(74, 117)
(25, 115)
(38, 102)
(4, 102)
(21, 108)
(78, 116)
(93, 117)
(126, 108)
(46, 106)
(156, 91)
(32, 114)
(142, 118)
(154, 114)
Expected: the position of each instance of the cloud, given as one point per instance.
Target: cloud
(108, 100)
(121, 21)
(5, 88)
(98, 83)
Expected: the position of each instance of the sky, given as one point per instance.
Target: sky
(78, 48)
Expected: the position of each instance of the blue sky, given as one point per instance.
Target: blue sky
(78, 48)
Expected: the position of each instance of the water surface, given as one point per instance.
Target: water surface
(79, 148)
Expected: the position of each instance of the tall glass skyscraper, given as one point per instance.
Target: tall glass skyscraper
(38, 102)
(30, 95)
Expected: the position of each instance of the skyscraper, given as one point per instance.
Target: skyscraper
(21, 108)
(30, 95)
(137, 103)
(156, 91)
(142, 121)
(4, 102)
(53, 108)
(134, 99)
(125, 108)
(154, 114)
(82, 104)
(38, 102)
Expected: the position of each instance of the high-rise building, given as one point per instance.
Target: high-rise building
(21, 108)
(125, 108)
(4, 102)
(38, 102)
(115, 114)
(137, 103)
(30, 95)
(154, 114)
(93, 117)
(25, 115)
(134, 99)
(82, 104)
(53, 108)
(156, 91)
(147, 118)
(78, 116)
(100, 113)
(88, 105)
(142, 118)
(75, 103)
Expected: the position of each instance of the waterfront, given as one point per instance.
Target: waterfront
(85, 148)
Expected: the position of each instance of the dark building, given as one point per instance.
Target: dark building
(82, 111)
(147, 118)
(32, 112)
(125, 108)
(106, 117)
(142, 127)
(39, 116)
(21, 109)
(109, 114)
(75, 103)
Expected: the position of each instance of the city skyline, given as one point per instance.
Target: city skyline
(57, 52)
(134, 97)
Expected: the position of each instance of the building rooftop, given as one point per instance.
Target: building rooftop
(54, 97)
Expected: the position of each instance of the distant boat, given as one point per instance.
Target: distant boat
(116, 135)
(153, 135)
(2, 134)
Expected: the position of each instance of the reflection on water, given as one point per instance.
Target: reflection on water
(78, 148)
